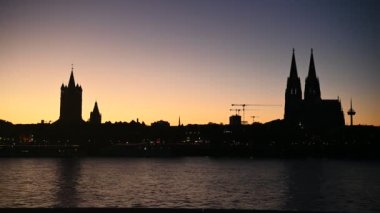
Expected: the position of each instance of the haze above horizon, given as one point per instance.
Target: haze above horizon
(158, 60)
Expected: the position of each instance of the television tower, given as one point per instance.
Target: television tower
(351, 112)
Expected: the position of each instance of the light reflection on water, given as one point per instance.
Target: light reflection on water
(323, 185)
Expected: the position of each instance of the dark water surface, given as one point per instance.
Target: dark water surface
(309, 184)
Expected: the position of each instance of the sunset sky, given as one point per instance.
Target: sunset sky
(159, 59)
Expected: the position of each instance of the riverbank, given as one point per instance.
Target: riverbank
(187, 150)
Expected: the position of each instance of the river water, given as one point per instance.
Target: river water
(307, 184)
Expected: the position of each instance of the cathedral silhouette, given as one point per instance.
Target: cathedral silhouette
(312, 111)
(71, 105)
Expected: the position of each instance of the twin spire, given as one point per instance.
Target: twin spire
(311, 111)
(312, 89)
(293, 67)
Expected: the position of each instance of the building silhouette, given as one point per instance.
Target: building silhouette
(71, 102)
(95, 116)
(235, 120)
(312, 111)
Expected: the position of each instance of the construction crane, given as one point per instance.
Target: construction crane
(244, 105)
(253, 118)
(237, 111)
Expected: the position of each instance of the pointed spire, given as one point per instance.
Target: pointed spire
(96, 109)
(312, 88)
(95, 116)
(293, 67)
(72, 81)
(312, 72)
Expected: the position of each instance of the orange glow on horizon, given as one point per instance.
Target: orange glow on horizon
(197, 107)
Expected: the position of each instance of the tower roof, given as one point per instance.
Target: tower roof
(293, 67)
(312, 73)
(71, 81)
(96, 109)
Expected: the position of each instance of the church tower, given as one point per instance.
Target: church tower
(71, 102)
(312, 90)
(293, 95)
(95, 116)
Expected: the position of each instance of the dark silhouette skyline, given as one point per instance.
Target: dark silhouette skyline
(312, 127)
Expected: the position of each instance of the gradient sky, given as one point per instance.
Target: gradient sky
(160, 59)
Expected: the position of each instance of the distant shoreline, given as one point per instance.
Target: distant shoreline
(170, 151)
(271, 140)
